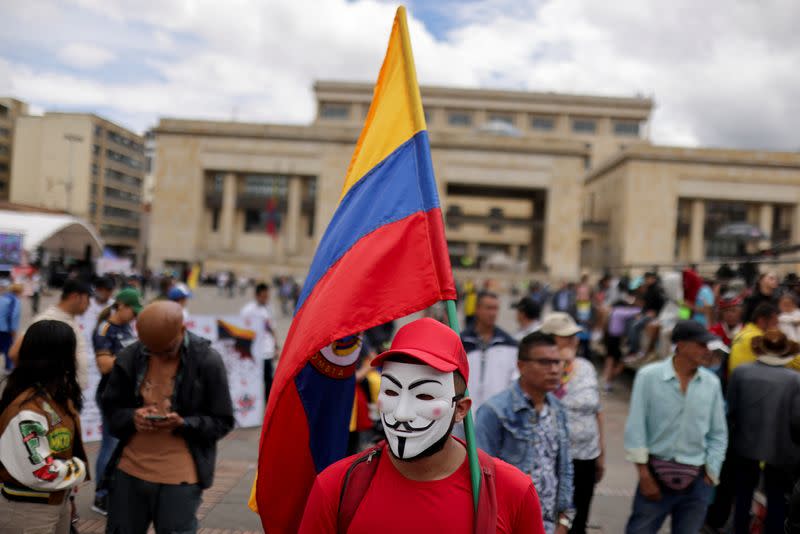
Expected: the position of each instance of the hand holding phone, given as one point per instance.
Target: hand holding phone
(155, 417)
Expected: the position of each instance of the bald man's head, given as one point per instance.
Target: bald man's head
(160, 327)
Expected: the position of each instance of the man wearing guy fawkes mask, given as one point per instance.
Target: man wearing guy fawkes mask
(421, 469)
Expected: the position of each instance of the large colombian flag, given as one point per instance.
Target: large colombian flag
(383, 256)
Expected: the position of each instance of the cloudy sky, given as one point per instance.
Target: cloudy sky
(722, 72)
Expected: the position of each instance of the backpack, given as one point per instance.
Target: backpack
(360, 473)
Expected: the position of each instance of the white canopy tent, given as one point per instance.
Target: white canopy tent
(55, 233)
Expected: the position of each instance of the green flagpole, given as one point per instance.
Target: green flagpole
(469, 425)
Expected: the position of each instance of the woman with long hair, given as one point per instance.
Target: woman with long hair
(764, 290)
(41, 452)
(113, 333)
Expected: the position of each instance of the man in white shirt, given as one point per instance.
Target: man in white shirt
(258, 317)
(103, 288)
(492, 353)
(74, 302)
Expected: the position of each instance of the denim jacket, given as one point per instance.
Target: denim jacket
(504, 428)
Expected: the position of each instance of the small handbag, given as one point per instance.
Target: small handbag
(673, 476)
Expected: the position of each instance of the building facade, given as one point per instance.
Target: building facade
(10, 109)
(86, 166)
(653, 205)
(256, 198)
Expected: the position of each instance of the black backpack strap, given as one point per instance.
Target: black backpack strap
(355, 485)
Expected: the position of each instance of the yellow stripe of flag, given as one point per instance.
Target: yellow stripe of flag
(395, 114)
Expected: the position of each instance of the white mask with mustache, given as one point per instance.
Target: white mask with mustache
(417, 404)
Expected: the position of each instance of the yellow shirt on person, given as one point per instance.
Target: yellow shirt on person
(742, 349)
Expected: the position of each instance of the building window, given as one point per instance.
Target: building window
(219, 180)
(502, 118)
(3, 111)
(266, 185)
(496, 220)
(718, 215)
(584, 126)
(4, 150)
(782, 219)
(3, 167)
(121, 177)
(459, 118)
(119, 231)
(5, 132)
(255, 220)
(453, 216)
(330, 110)
(95, 169)
(120, 213)
(122, 158)
(118, 194)
(544, 124)
(98, 130)
(96, 150)
(215, 220)
(92, 208)
(626, 128)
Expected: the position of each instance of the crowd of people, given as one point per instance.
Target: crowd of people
(714, 411)
(713, 355)
(163, 395)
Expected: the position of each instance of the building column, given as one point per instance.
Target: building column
(766, 213)
(294, 199)
(796, 224)
(227, 218)
(696, 227)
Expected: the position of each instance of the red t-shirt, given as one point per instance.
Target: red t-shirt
(396, 505)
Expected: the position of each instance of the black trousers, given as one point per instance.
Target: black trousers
(135, 503)
(585, 479)
(720, 510)
(267, 380)
(777, 483)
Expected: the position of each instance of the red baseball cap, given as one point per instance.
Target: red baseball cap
(430, 342)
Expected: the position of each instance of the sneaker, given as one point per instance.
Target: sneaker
(100, 505)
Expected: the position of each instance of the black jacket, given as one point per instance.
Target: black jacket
(764, 414)
(201, 397)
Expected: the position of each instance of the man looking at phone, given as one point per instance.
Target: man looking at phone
(168, 403)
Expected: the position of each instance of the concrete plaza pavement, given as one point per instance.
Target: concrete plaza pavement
(224, 508)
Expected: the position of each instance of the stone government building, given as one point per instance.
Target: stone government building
(529, 182)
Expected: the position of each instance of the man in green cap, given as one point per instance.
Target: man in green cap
(113, 333)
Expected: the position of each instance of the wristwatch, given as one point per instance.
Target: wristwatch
(565, 519)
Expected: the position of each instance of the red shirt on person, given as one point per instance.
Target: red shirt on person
(394, 504)
(725, 334)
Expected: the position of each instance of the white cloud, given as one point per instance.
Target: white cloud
(85, 56)
(721, 73)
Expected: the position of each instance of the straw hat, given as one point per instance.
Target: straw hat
(774, 348)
